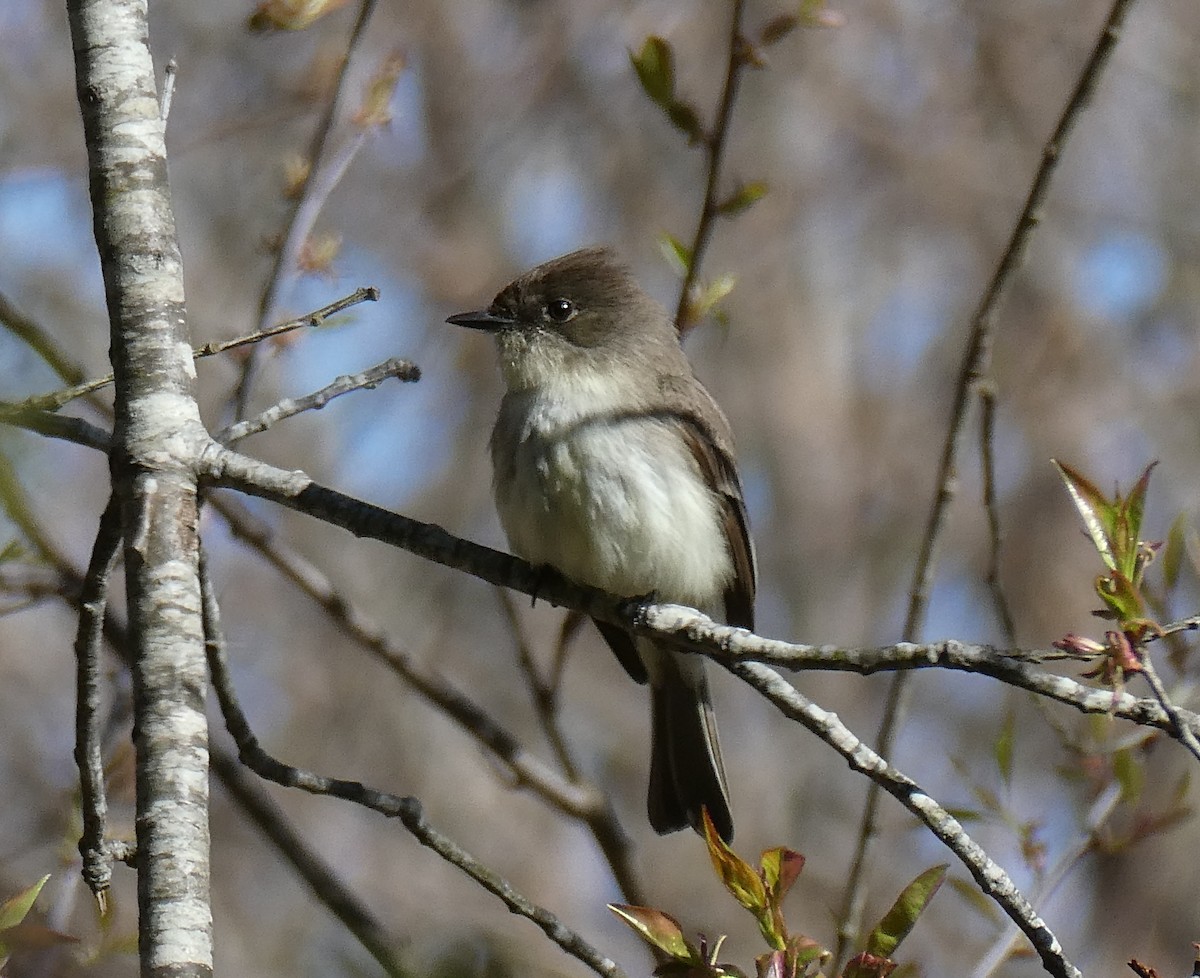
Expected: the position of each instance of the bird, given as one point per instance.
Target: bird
(613, 465)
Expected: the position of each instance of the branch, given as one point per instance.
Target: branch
(370, 378)
(989, 876)
(157, 428)
(975, 363)
(682, 627)
(93, 600)
(307, 204)
(987, 424)
(408, 810)
(57, 399)
(1179, 728)
(714, 144)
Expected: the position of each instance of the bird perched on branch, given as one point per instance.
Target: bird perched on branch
(613, 465)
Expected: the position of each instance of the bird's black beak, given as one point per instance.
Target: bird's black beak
(483, 319)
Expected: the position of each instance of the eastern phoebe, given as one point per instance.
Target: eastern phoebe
(614, 466)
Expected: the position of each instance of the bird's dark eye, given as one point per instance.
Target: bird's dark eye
(560, 310)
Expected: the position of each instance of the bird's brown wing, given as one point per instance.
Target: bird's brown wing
(718, 469)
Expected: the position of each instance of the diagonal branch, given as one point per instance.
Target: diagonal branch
(714, 144)
(322, 178)
(975, 362)
(989, 876)
(408, 810)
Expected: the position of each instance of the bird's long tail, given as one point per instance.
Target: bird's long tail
(686, 772)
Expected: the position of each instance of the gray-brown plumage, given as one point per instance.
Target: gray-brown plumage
(615, 466)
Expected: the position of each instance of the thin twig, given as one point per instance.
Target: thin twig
(56, 399)
(408, 810)
(1181, 729)
(404, 370)
(601, 820)
(976, 359)
(541, 691)
(1099, 813)
(987, 441)
(38, 340)
(305, 206)
(93, 600)
(714, 144)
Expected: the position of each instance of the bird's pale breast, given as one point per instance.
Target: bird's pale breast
(614, 501)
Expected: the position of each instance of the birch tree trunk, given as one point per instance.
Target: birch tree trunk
(158, 433)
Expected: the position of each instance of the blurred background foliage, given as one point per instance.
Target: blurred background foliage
(898, 149)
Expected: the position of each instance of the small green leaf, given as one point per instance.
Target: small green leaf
(1099, 515)
(15, 908)
(745, 196)
(1002, 749)
(909, 905)
(676, 252)
(1134, 505)
(13, 550)
(655, 67)
(710, 295)
(657, 929)
(739, 876)
(780, 868)
(686, 119)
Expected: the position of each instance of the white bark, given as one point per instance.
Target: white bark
(158, 433)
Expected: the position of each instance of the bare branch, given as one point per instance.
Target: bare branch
(93, 600)
(404, 370)
(408, 810)
(323, 176)
(1179, 728)
(57, 399)
(714, 145)
(975, 363)
(987, 436)
(989, 876)
(683, 627)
